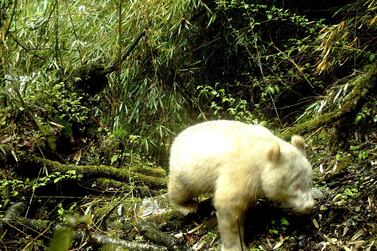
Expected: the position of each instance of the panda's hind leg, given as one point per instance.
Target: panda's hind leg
(180, 196)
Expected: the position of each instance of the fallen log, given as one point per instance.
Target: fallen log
(154, 177)
(152, 233)
(106, 184)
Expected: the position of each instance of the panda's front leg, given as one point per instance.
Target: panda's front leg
(231, 207)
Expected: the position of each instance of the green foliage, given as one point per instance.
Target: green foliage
(64, 213)
(13, 188)
(49, 40)
(224, 105)
(158, 79)
(40, 111)
(262, 53)
(62, 104)
(259, 54)
(367, 114)
(278, 226)
(55, 178)
(361, 154)
(348, 193)
(351, 192)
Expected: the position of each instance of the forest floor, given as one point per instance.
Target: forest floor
(135, 215)
(344, 218)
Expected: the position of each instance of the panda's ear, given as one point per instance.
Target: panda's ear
(273, 153)
(298, 142)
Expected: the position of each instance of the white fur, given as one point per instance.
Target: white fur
(239, 163)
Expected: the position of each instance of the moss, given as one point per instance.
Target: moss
(362, 85)
(112, 247)
(93, 171)
(150, 171)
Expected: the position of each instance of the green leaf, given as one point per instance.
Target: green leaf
(62, 239)
(372, 57)
(284, 222)
(56, 180)
(114, 158)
